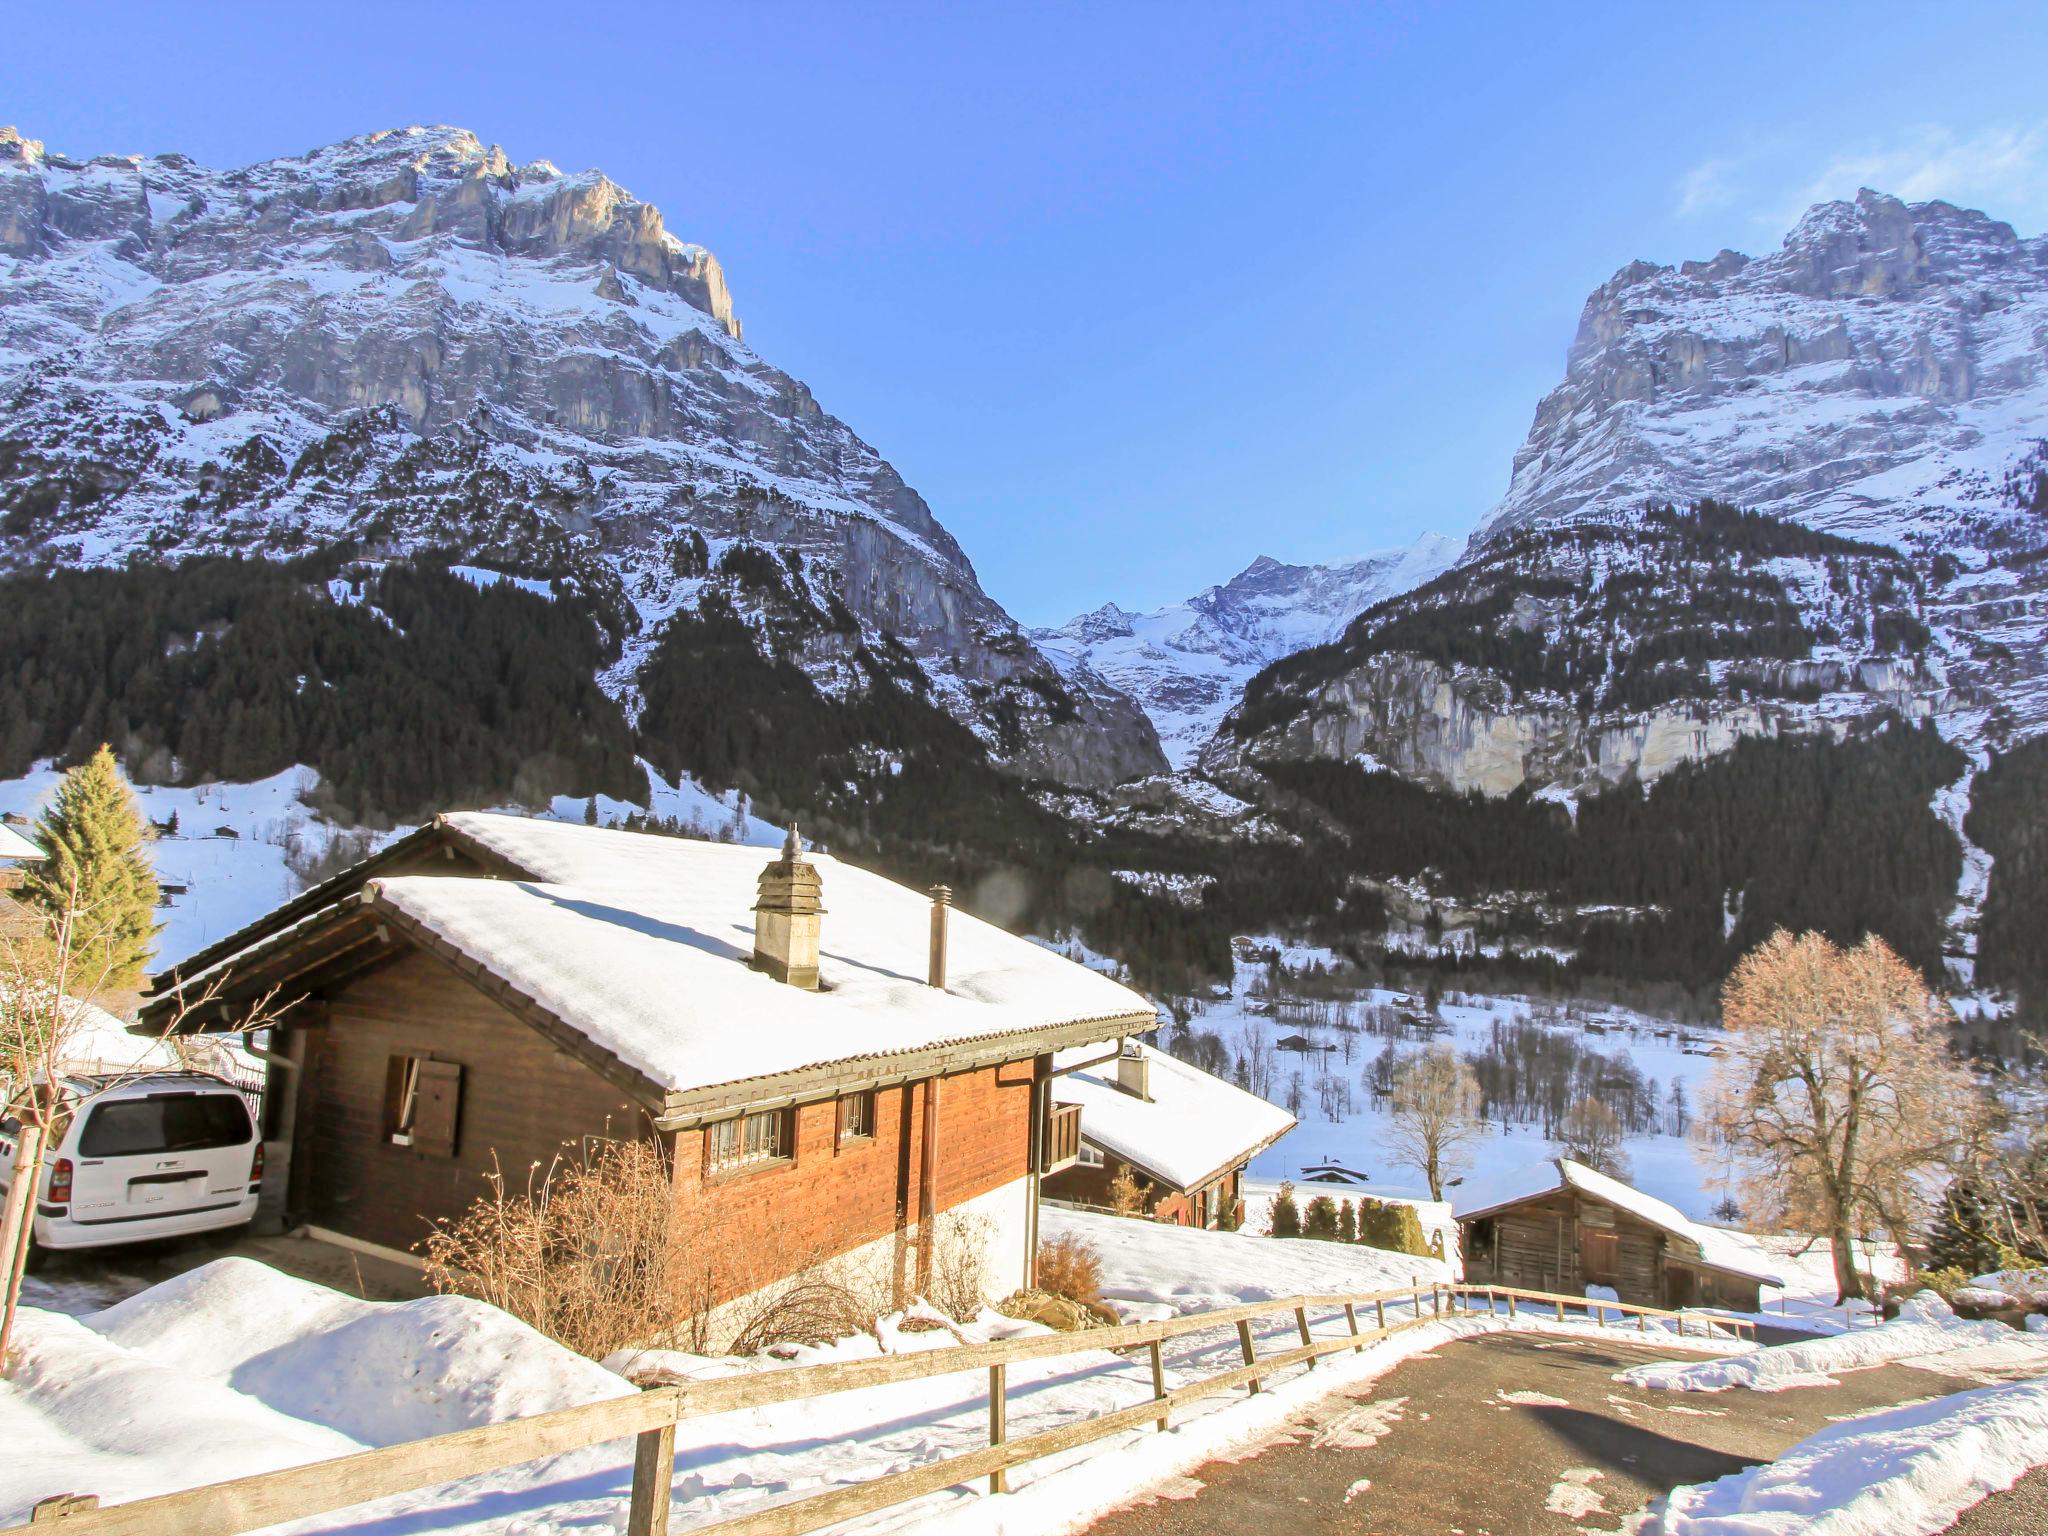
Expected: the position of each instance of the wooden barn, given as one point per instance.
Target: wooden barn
(831, 1061)
(1184, 1135)
(1561, 1226)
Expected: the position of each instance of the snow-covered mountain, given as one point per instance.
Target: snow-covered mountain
(1187, 663)
(408, 342)
(1881, 380)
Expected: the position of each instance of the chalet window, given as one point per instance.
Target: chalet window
(422, 1100)
(749, 1141)
(1091, 1156)
(857, 1117)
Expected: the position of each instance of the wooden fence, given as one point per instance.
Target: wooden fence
(650, 1419)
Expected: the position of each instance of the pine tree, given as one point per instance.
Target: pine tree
(1347, 1223)
(92, 838)
(1286, 1214)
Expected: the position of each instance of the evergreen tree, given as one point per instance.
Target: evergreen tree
(1286, 1214)
(94, 864)
(1320, 1221)
(1964, 1234)
(1347, 1223)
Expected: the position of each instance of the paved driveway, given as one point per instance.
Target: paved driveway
(1504, 1435)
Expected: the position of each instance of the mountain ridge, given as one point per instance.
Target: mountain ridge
(404, 341)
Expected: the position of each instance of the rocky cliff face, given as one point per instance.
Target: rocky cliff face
(406, 341)
(1187, 664)
(1882, 380)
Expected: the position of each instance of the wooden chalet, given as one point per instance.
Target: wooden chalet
(1561, 1226)
(831, 1060)
(1184, 1135)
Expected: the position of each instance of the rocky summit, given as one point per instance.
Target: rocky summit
(1804, 491)
(406, 342)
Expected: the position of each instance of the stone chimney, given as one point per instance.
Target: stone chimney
(942, 902)
(1134, 1071)
(786, 918)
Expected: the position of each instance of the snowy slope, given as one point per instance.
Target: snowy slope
(408, 340)
(1883, 376)
(1187, 664)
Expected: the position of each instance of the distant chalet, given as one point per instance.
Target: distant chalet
(1183, 1135)
(830, 1059)
(1561, 1226)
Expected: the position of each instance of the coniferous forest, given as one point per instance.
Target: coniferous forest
(413, 689)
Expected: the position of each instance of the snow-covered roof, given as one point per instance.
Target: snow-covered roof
(1722, 1250)
(1192, 1126)
(640, 943)
(14, 846)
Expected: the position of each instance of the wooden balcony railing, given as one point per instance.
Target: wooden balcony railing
(1063, 1138)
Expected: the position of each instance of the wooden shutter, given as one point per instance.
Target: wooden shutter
(440, 1098)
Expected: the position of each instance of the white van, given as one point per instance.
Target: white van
(135, 1157)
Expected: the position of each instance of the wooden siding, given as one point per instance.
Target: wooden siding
(831, 1197)
(1203, 1205)
(521, 1099)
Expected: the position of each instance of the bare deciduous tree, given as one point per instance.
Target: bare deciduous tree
(1436, 1114)
(1838, 1094)
(1591, 1133)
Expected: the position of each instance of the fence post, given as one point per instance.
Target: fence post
(1560, 1309)
(1158, 1379)
(1436, 1298)
(61, 1506)
(1351, 1319)
(1511, 1306)
(1380, 1302)
(1244, 1343)
(654, 1467)
(1642, 1322)
(1301, 1322)
(998, 1422)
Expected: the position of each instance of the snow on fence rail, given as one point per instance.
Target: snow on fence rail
(650, 1418)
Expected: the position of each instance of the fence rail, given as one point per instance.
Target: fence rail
(650, 1419)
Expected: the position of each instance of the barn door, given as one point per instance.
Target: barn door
(1599, 1258)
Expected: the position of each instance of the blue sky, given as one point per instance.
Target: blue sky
(1133, 293)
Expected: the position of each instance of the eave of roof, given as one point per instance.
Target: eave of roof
(671, 1109)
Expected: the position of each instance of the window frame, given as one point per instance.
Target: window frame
(739, 1160)
(862, 1105)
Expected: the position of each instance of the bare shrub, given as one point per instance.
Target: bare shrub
(586, 1253)
(592, 1253)
(1069, 1266)
(1127, 1195)
(959, 1264)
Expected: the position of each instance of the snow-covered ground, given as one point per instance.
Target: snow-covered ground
(1908, 1471)
(242, 849)
(234, 1368)
(1925, 1333)
(1348, 1127)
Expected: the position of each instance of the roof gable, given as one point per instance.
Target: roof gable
(633, 951)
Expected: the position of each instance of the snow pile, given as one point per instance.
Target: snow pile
(1907, 1472)
(1152, 1270)
(1926, 1330)
(234, 1369)
(2007, 1288)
